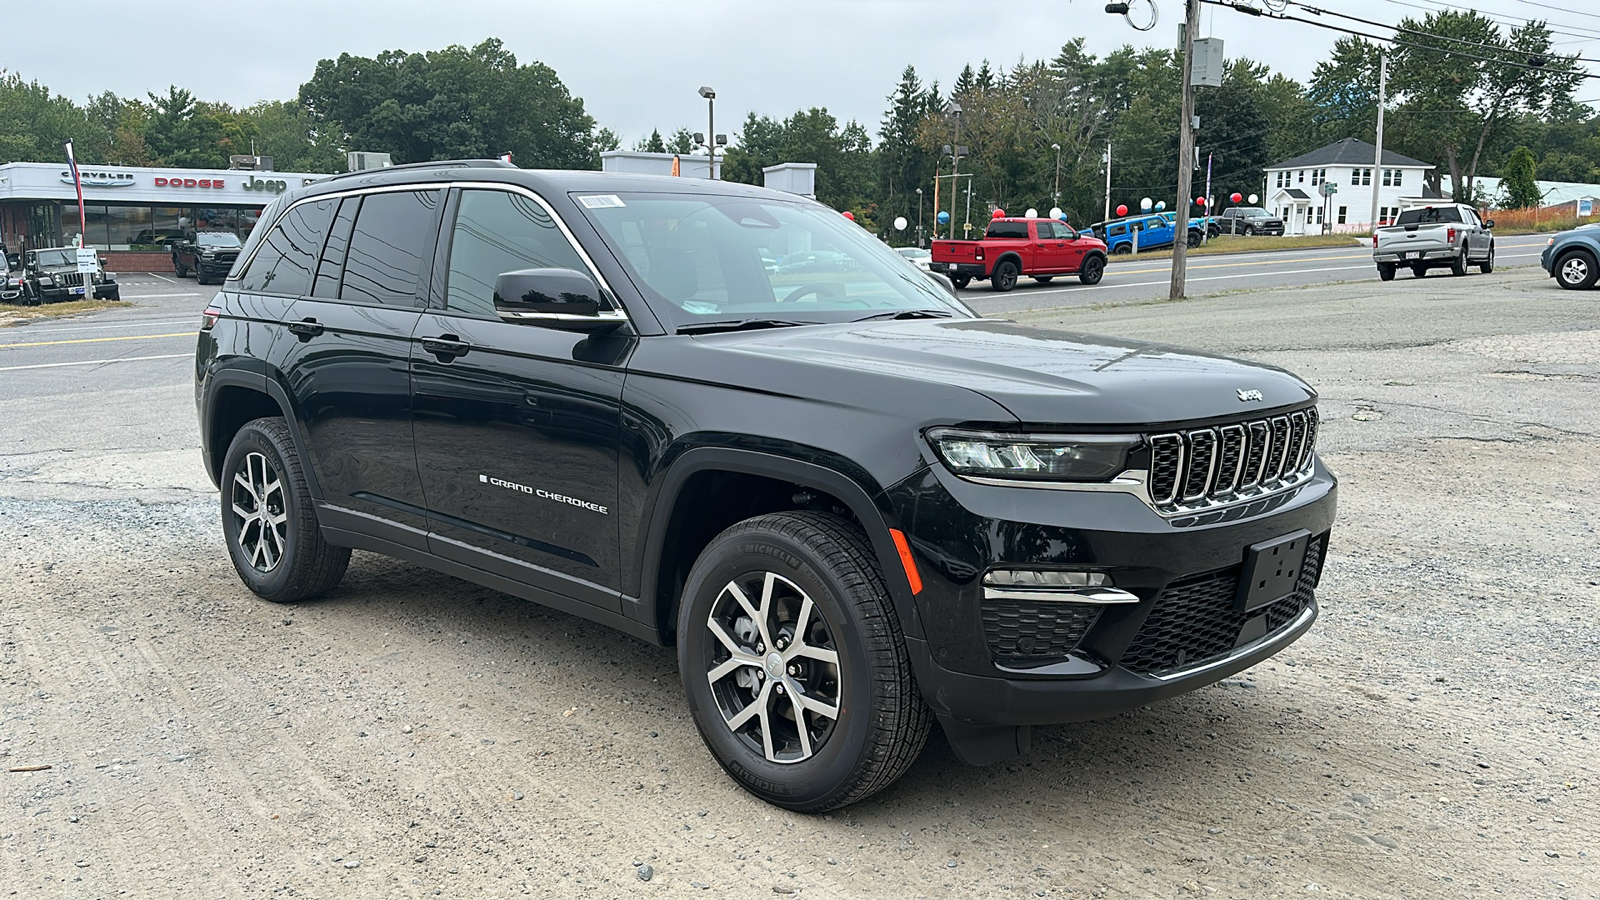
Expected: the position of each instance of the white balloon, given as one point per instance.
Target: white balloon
(899, 223)
(1031, 213)
(1056, 213)
(1253, 198)
(1145, 203)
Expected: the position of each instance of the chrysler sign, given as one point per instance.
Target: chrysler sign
(101, 179)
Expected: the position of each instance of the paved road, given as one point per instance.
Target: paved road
(1132, 279)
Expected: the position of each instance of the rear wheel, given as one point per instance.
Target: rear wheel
(1458, 266)
(268, 521)
(1121, 249)
(1385, 271)
(1576, 270)
(794, 663)
(1094, 268)
(1004, 277)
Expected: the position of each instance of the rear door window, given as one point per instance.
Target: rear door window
(287, 259)
(392, 238)
(331, 265)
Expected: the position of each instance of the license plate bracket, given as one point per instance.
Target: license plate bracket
(1271, 570)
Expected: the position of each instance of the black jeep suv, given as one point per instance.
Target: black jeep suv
(852, 504)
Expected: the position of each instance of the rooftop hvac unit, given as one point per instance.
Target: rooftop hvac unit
(360, 162)
(250, 163)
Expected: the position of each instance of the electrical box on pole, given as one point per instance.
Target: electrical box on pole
(1207, 63)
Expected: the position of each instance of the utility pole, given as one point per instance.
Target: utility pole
(955, 164)
(711, 131)
(1180, 248)
(1107, 216)
(1377, 156)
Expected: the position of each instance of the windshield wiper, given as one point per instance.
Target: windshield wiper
(908, 314)
(738, 325)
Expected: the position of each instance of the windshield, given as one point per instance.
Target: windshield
(217, 239)
(66, 257)
(703, 258)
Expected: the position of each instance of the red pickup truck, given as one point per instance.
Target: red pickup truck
(1012, 248)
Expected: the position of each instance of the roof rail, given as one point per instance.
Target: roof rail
(437, 164)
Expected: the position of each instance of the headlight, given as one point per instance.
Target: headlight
(1034, 457)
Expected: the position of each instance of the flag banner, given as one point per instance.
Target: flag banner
(77, 184)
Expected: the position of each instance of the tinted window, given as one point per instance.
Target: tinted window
(392, 237)
(287, 258)
(1429, 214)
(497, 232)
(332, 263)
(1008, 230)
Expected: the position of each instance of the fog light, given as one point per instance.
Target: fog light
(1053, 585)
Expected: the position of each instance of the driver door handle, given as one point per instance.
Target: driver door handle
(306, 329)
(446, 347)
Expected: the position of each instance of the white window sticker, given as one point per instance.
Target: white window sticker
(602, 201)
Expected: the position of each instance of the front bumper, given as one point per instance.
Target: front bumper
(218, 268)
(1544, 261)
(1183, 633)
(64, 293)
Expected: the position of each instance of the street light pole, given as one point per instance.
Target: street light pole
(1180, 248)
(955, 164)
(1055, 192)
(711, 131)
(919, 217)
(1377, 154)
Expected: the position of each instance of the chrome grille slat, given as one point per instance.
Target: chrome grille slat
(1206, 467)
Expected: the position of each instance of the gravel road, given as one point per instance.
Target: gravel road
(1435, 735)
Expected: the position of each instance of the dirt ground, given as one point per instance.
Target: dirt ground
(1434, 735)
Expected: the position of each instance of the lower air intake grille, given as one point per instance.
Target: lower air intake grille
(1030, 629)
(1195, 622)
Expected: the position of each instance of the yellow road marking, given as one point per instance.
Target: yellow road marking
(131, 337)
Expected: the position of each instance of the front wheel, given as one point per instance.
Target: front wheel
(1094, 268)
(268, 521)
(961, 281)
(795, 665)
(1385, 271)
(1576, 271)
(1004, 277)
(1418, 271)
(1487, 265)
(1194, 239)
(1249, 230)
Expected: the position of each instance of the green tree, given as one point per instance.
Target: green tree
(755, 149)
(904, 164)
(681, 142)
(450, 104)
(285, 131)
(1518, 182)
(652, 144)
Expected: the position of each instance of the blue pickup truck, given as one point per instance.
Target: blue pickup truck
(1155, 232)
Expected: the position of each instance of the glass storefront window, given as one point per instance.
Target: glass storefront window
(128, 227)
(168, 224)
(211, 219)
(247, 222)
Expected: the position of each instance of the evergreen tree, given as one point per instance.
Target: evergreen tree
(655, 144)
(681, 142)
(1517, 180)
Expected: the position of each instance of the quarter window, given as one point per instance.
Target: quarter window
(390, 241)
(497, 232)
(288, 257)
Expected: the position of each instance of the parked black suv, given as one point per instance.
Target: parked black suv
(208, 254)
(852, 504)
(1249, 220)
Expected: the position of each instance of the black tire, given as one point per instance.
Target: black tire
(961, 281)
(1385, 271)
(1004, 277)
(200, 276)
(1094, 268)
(1194, 239)
(1121, 249)
(1249, 230)
(1487, 265)
(180, 271)
(281, 565)
(787, 560)
(1576, 270)
(1418, 271)
(1044, 279)
(1458, 266)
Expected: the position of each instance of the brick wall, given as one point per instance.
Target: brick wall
(137, 261)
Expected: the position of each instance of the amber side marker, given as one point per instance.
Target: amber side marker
(906, 562)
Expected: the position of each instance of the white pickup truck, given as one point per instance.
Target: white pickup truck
(1427, 237)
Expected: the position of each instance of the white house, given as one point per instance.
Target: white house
(1295, 188)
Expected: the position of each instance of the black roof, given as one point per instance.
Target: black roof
(1297, 194)
(1348, 152)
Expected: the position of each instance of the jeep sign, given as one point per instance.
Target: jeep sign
(274, 187)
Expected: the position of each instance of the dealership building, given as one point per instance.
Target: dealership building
(132, 212)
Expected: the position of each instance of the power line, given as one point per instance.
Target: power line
(1251, 11)
(1412, 31)
(1577, 30)
(1560, 9)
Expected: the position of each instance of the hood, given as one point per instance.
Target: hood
(1040, 375)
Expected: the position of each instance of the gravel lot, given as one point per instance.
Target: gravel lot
(412, 735)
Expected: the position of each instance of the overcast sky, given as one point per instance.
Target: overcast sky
(637, 64)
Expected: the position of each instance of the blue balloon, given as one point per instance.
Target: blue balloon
(944, 217)
(1160, 206)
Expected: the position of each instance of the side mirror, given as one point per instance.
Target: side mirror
(1489, 224)
(564, 299)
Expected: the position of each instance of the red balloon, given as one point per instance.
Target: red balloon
(998, 214)
(1200, 200)
(1236, 197)
(849, 215)
(1122, 210)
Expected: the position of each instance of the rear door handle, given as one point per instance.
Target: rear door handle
(446, 347)
(306, 329)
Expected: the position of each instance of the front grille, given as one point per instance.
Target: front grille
(70, 279)
(1194, 620)
(1032, 629)
(1205, 467)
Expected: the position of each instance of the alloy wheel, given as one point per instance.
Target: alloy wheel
(773, 667)
(258, 507)
(1575, 270)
